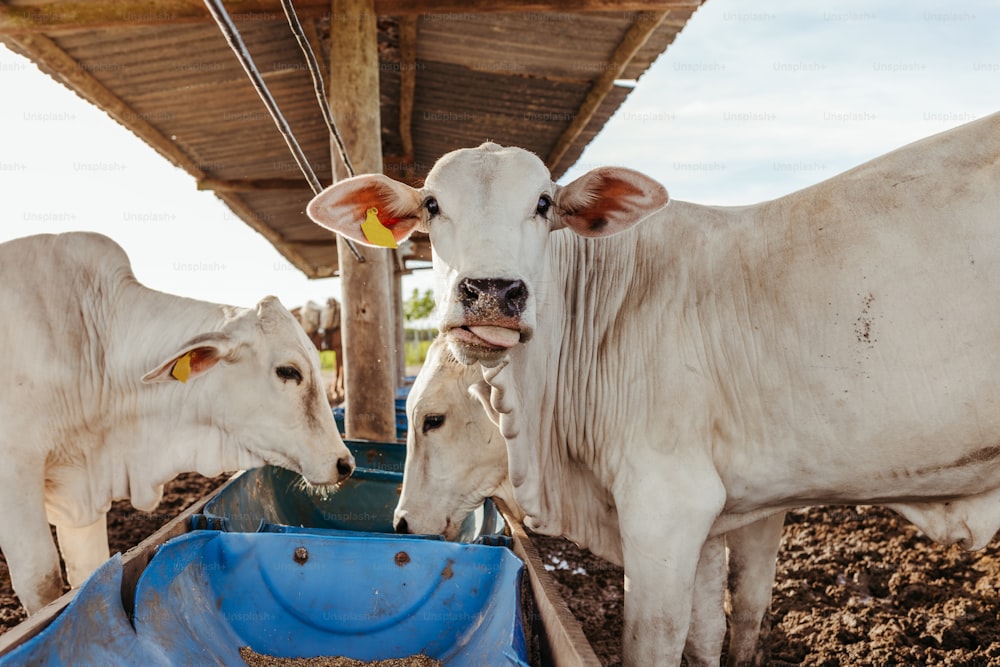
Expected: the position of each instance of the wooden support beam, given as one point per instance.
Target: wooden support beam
(399, 318)
(407, 81)
(637, 35)
(367, 313)
(253, 184)
(55, 16)
(404, 7)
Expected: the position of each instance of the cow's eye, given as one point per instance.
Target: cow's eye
(431, 205)
(544, 204)
(432, 422)
(289, 373)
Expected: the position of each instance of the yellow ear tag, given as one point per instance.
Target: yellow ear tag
(375, 232)
(182, 369)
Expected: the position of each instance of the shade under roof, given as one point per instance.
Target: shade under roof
(454, 74)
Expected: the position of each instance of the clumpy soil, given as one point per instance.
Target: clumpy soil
(855, 586)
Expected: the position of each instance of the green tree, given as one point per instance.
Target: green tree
(418, 306)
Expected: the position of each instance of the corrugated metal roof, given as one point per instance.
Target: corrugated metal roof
(538, 78)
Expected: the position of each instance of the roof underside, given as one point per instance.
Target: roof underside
(539, 75)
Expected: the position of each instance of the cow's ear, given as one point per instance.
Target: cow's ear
(608, 200)
(271, 313)
(194, 358)
(344, 208)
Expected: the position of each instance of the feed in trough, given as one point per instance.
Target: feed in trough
(254, 659)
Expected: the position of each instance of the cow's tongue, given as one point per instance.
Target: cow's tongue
(499, 336)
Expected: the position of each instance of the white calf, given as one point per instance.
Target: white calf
(111, 389)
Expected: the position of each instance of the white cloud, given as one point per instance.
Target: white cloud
(752, 102)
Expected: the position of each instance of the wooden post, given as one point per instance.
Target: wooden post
(400, 318)
(367, 319)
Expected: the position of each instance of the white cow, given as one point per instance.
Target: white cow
(329, 317)
(715, 364)
(111, 389)
(310, 316)
(456, 458)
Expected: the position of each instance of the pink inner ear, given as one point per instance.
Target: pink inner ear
(203, 358)
(611, 198)
(380, 197)
(616, 187)
(371, 196)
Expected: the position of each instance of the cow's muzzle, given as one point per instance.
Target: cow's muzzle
(345, 467)
(489, 299)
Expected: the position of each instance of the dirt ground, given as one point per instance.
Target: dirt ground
(855, 586)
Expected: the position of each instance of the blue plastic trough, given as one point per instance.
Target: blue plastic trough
(206, 594)
(363, 503)
(375, 455)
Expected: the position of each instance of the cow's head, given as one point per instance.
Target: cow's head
(489, 212)
(455, 456)
(256, 384)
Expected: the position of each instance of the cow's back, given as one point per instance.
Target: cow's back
(57, 293)
(852, 329)
(55, 270)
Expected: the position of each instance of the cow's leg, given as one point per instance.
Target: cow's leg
(707, 630)
(83, 549)
(753, 556)
(25, 537)
(665, 520)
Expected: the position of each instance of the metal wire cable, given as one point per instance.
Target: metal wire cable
(317, 79)
(235, 41)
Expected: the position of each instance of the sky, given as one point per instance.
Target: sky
(752, 101)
